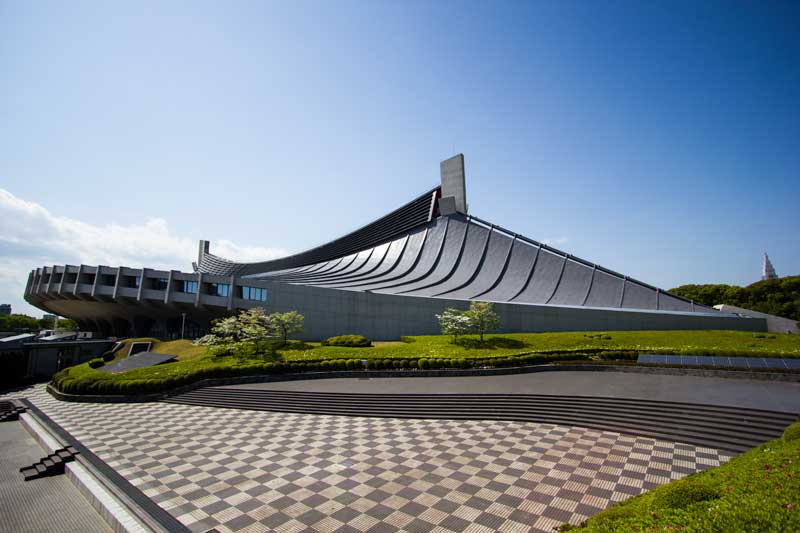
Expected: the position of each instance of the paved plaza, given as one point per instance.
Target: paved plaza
(238, 470)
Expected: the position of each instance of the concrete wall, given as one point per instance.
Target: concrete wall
(122, 311)
(331, 312)
(775, 324)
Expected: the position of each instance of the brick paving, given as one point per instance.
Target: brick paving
(238, 470)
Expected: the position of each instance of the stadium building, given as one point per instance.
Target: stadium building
(386, 279)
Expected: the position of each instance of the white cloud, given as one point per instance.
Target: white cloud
(556, 241)
(31, 236)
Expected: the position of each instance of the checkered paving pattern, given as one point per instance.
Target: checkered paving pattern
(237, 470)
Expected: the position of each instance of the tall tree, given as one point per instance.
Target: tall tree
(482, 318)
(454, 322)
(287, 324)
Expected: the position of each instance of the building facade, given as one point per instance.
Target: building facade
(384, 280)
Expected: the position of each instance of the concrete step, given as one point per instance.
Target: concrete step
(754, 421)
(729, 428)
(737, 442)
(760, 413)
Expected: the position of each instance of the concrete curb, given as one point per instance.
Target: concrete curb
(124, 507)
(113, 511)
(269, 378)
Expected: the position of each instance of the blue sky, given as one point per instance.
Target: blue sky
(661, 140)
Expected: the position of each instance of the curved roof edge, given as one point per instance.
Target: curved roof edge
(418, 211)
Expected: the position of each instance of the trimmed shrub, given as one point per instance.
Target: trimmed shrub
(683, 494)
(97, 362)
(350, 341)
(413, 363)
(423, 364)
(792, 432)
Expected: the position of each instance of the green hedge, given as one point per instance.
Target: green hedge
(350, 341)
(108, 384)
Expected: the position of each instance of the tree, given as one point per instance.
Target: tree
(252, 325)
(287, 324)
(454, 322)
(482, 318)
(18, 322)
(780, 296)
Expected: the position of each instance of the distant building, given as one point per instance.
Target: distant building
(5, 309)
(768, 271)
(48, 316)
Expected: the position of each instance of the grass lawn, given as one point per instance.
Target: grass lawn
(196, 362)
(757, 491)
(668, 342)
(182, 348)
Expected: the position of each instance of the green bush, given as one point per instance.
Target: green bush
(350, 341)
(684, 493)
(422, 363)
(97, 362)
(792, 432)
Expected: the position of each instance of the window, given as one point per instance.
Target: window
(218, 289)
(159, 284)
(254, 293)
(131, 282)
(190, 287)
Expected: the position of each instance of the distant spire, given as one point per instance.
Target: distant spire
(768, 271)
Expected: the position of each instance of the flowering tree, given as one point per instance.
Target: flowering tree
(249, 326)
(454, 322)
(482, 318)
(286, 324)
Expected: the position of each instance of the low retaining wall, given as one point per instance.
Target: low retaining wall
(239, 380)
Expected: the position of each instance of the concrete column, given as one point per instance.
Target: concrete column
(29, 283)
(50, 280)
(658, 293)
(199, 289)
(622, 292)
(230, 292)
(77, 280)
(96, 280)
(61, 283)
(453, 181)
(141, 285)
(40, 274)
(116, 282)
(168, 292)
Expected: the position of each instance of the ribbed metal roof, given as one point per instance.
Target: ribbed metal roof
(416, 212)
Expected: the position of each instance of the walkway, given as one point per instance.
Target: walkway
(242, 470)
(51, 504)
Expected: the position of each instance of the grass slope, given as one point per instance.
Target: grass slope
(672, 342)
(197, 363)
(757, 491)
(182, 348)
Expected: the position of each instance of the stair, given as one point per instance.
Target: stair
(51, 465)
(732, 429)
(10, 410)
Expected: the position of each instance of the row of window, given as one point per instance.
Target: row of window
(258, 294)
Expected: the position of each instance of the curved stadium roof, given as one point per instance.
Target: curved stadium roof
(414, 251)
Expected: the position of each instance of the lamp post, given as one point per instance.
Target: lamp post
(183, 323)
